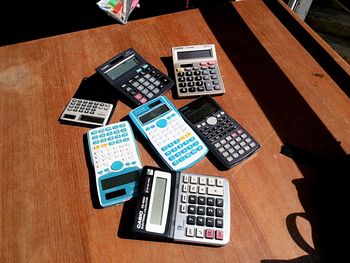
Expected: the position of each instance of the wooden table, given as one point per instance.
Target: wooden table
(274, 88)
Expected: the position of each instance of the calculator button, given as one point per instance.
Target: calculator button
(209, 221)
(219, 234)
(202, 180)
(192, 199)
(191, 220)
(184, 198)
(209, 233)
(200, 221)
(219, 222)
(210, 201)
(183, 208)
(210, 211)
(201, 200)
(199, 233)
(219, 202)
(193, 180)
(185, 178)
(219, 182)
(117, 165)
(200, 210)
(190, 231)
(201, 189)
(219, 212)
(193, 189)
(215, 191)
(162, 123)
(211, 181)
(185, 188)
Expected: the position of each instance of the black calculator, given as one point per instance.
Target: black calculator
(226, 139)
(133, 77)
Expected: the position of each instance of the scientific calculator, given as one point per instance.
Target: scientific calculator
(197, 71)
(229, 142)
(116, 162)
(171, 137)
(135, 78)
(183, 207)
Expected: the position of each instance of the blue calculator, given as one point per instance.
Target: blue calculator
(115, 157)
(172, 138)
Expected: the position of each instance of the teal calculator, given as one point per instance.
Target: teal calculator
(116, 161)
(171, 137)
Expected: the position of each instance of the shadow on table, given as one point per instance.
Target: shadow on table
(319, 156)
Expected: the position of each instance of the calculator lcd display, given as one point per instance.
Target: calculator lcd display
(158, 201)
(120, 69)
(154, 114)
(197, 113)
(195, 54)
(119, 180)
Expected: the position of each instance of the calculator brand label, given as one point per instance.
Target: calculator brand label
(141, 219)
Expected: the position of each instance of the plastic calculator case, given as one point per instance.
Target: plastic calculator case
(92, 105)
(176, 206)
(171, 137)
(197, 71)
(115, 157)
(226, 139)
(135, 79)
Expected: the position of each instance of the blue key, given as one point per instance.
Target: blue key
(180, 146)
(122, 125)
(195, 143)
(103, 140)
(101, 130)
(170, 145)
(94, 132)
(177, 154)
(162, 123)
(194, 151)
(123, 130)
(133, 163)
(174, 149)
(184, 150)
(108, 128)
(189, 147)
(199, 148)
(110, 138)
(124, 134)
(164, 148)
(95, 142)
(172, 158)
(125, 139)
(94, 137)
(186, 142)
(115, 127)
(188, 155)
(111, 143)
(102, 135)
(109, 133)
(192, 139)
(127, 164)
(181, 159)
(117, 136)
(117, 131)
(117, 165)
(167, 153)
(175, 163)
(176, 141)
(118, 141)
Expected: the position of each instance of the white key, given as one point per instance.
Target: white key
(211, 181)
(194, 180)
(185, 178)
(201, 189)
(184, 198)
(190, 231)
(211, 190)
(185, 188)
(183, 208)
(200, 233)
(193, 189)
(202, 180)
(220, 182)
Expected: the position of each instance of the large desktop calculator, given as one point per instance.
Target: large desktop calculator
(135, 78)
(197, 71)
(116, 162)
(171, 137)
(183, 207)
(226, 138)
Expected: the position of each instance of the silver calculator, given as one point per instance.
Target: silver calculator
(182, 207)
(197, 71)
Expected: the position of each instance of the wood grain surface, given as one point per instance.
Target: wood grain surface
(274, 88)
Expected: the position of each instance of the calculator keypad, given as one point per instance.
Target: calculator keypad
(177, 143)
(87, 111)
(230, 141)
(148, 83)
(112, 148)
(203, 213)
(199, 79)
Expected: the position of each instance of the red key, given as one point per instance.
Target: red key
(209, 233)
(219, 234)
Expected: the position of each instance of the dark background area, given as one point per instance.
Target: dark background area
(28, 20)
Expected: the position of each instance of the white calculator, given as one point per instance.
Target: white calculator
(116, 160)
(183, 207)
(172, 138)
